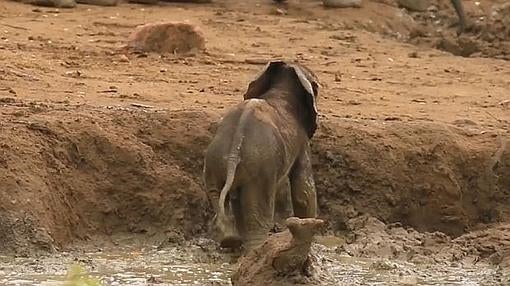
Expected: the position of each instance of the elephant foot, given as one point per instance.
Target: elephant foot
(231, 241)
(227, 233)
(99, 2)
(53, 3)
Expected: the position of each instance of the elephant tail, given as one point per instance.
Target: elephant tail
(234, 156)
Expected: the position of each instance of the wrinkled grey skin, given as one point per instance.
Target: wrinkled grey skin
(258, 163)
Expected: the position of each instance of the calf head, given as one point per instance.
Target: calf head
(300, 83)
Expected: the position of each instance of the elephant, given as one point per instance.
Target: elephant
(258, 163)
(459, 9)
(70, 3)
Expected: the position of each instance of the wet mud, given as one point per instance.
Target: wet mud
(101, 148)
(126, 147)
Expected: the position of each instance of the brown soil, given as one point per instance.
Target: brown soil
(96, 140)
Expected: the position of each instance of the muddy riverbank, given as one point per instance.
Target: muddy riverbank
(106, 171)
(101, 148)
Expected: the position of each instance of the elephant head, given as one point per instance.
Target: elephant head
(301, 83)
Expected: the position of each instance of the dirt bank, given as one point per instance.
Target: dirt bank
(431, 176)
(70, 172)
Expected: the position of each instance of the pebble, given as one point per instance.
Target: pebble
(123, 59)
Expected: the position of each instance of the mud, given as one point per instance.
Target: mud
(487, 33)
(72, 171)
(197, 263)
(428, 176)
(412, 150)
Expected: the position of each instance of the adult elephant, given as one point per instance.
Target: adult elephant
(459, 9)
(258, 163)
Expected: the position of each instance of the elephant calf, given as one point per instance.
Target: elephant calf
(258, 163)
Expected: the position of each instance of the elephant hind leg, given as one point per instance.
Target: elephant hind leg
(224, 229)
(256, 209)
(304, 196)
(230, 233)
(283, 202)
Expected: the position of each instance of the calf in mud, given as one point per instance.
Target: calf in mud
(258, 164)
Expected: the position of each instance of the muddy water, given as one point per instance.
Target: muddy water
(199, 265)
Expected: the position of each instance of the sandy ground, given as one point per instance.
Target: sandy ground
(96, 140)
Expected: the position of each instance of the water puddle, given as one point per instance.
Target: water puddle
(195, 266)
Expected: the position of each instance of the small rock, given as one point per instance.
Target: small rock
(279, 11)
(74, 74)
(123, 59)
(383, 265)
(432, 9)
(167, 37)
(342, 3)
(505, 103)
(414, 5)
(413, 55)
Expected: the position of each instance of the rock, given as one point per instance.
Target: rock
(383, 265)
(283, 258)
(123, 59)
(414, 5)
(413, 55)
(167, 37)
(341, 3)
(279, 12)
(52, 3)
(505, 103)
(99, 2)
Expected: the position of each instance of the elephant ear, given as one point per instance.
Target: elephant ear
(310, 87)
(263, 81)
(305, 78)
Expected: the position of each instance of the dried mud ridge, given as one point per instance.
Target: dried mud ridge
(487, 33)
(71, 172)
